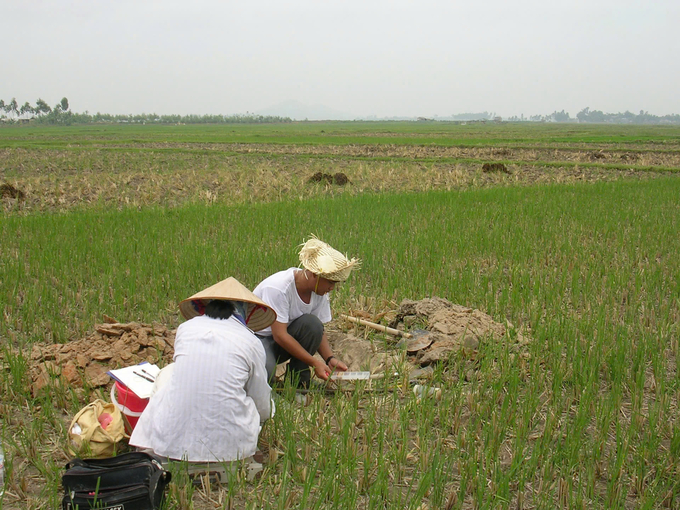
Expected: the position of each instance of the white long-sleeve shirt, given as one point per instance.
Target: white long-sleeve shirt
(216, 399)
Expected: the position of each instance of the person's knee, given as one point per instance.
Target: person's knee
(312, 324)
(306, 324)
(308, 331)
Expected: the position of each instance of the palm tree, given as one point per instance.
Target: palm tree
(13, 107)
(42, 107)
(26, 108)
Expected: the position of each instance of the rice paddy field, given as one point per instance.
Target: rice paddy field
(570, 232)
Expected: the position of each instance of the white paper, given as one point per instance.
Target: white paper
(136, 378)
(351, 376)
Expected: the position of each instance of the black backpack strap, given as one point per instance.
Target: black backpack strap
(76, 462)
(159, 480)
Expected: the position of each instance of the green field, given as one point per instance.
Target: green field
(343, 133)
(576, 245)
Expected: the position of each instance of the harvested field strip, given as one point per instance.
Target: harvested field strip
(667, 158)
(667, 161)
(414, 149)
(233, 181)
(78, 179)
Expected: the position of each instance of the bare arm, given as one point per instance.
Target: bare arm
(325, 351)
(293, 347)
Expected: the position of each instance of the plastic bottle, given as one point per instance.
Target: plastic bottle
(2, 472)
(420, 391)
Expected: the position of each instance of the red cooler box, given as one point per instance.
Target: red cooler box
(128, 402)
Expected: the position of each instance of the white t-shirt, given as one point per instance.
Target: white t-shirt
(212, 406)
(279, 292)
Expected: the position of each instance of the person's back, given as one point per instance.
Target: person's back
(217, 397)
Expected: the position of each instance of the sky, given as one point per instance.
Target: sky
(359, 58)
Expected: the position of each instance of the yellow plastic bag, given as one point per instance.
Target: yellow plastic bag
(96, 430)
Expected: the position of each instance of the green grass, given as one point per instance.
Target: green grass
(587, 419)
(482, 246)
(341, 133)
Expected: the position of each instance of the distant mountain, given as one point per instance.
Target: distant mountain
(300, 111)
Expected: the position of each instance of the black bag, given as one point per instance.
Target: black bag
(131, 481)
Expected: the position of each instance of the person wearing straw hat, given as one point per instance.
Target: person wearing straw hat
(300, 299)
(212, 406)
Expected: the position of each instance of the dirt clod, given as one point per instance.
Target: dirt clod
(9, 191)
(111, 345)
(339, 178)
(450, 328)
(320, 176)
(454, 327)
(495, 167)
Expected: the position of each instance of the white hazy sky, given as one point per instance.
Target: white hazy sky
(360, 57)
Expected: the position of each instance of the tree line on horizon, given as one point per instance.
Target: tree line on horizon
(13, 111)
(586, 116)
(599, 117)
(60, 114)
(41, 113)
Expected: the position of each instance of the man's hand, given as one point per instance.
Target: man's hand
(321, 370)
(336, 364)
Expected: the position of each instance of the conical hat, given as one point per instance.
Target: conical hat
(319, 258)
(259, 314)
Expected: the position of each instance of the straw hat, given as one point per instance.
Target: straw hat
(259, 314)
(319, 258)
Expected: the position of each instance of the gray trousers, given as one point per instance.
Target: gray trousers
(308, 331)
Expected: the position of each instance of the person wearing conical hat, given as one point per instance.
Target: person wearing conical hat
(300, 298)
(211, 407)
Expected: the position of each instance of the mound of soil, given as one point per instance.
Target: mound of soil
(449, 327)
(629, 157)
(339, 178)
(452, 327)
(85, 362)
(495, 167)
(9, 191)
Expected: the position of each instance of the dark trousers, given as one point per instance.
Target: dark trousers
(308, 331)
